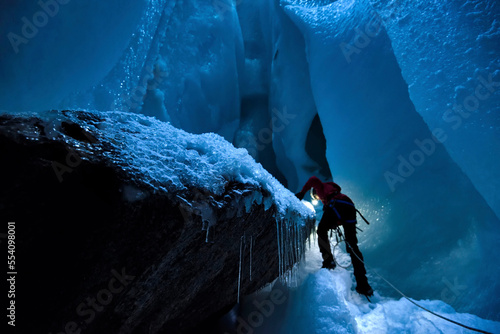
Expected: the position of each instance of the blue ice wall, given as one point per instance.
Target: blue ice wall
(203, 51)
(449, 54)
(51, 49)
(433, 226)
(406, 91)
(291, 94)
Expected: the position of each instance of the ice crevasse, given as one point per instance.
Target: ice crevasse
(408, 133)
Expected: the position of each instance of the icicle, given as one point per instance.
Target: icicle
(207, 240)
(294, 243)
(290, 250)
(239, 271)
(283, 249)
(311, 236)
(300, 241)
(251, 248)
(278, 233)
(290, 243)
(287, 250)
(289, 230)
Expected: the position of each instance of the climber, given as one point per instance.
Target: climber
(338, 210)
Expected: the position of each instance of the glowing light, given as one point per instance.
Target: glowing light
(309, 205)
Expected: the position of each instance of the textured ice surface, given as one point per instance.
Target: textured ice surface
(383, 76)
(324, 302)
(429, 223)
(449, 54)
(50, 50)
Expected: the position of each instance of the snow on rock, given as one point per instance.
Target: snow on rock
(169, 159)
(185, 223)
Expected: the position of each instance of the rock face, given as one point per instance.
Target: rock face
(99, 250)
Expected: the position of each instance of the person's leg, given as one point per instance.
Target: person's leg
(324, 241)
(326, 224)
(356, 258)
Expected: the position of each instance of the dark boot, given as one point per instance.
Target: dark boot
(363, 288)
(329, 263)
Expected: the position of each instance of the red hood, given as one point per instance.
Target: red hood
(323, 189)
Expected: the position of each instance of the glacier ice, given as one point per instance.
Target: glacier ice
(459, 94)
(291, 92)
(201, 92)
(61, 47)
(435, 226)
(381, 77)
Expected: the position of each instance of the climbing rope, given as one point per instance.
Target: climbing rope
(402, 294)
(339, 240)
(335, 259)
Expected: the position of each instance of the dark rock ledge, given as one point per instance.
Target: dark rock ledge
(101, 250)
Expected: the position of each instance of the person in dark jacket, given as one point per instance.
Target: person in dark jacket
(338, 210)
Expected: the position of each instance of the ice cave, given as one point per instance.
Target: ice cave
(152, 150)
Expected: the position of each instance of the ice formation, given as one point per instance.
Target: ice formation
(458, 95)
(406, 92)
(324, 302)
(383, 153)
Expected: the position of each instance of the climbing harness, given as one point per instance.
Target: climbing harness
(401, 293)
(332, 203)
(338, 233)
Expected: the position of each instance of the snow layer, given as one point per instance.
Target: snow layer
(324, 302)
(171, 160)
